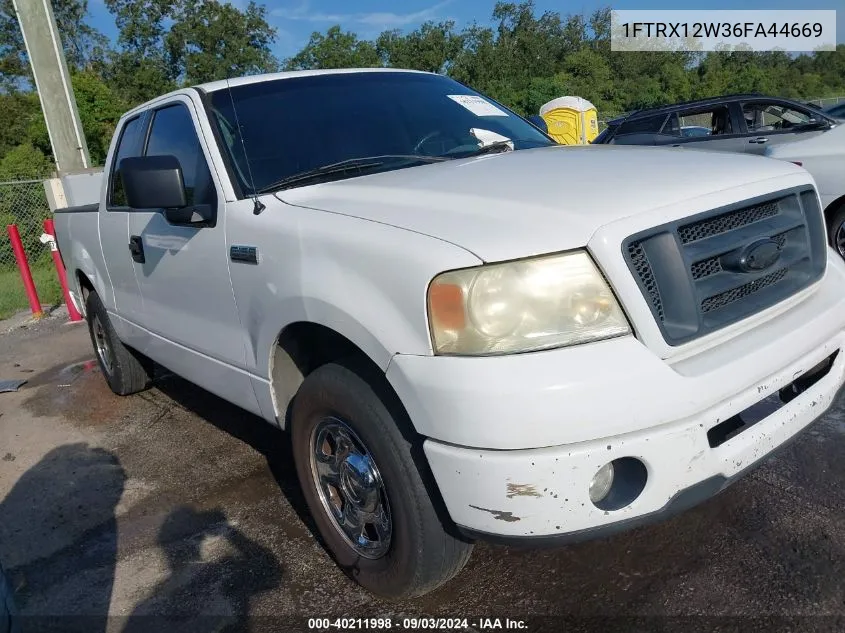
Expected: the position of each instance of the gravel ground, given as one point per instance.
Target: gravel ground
(181, 510)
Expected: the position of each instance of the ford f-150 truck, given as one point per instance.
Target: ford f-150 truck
(469, 331)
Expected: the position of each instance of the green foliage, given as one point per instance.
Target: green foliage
(432, 47)
(83, 45)
(99, 109)
(523, 59)
(167, 43)
(23, 162)
(335, 49)
(13, 296)
(18, 111)
(212, 40)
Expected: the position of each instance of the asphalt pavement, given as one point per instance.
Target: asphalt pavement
(173, 510)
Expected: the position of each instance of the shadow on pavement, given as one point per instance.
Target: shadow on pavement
(213, 572)
(58, 539)
(268, 440)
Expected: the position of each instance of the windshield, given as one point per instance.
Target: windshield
(286, 127)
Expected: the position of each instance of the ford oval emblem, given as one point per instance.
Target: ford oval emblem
(759, 255)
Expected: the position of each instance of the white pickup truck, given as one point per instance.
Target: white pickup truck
(469, 332)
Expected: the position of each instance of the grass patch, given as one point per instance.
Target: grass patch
(12, 293)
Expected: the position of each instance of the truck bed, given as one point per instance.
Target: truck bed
(82, 208)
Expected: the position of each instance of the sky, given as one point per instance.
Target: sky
(295, 20)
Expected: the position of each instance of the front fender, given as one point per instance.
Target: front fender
(366, 281)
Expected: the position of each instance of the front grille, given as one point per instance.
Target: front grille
(643, 269)
(701, 274)
(713, 265)
(726, 222)
(729, 296)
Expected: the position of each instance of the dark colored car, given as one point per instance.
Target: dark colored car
(737, 123)
(836, 111)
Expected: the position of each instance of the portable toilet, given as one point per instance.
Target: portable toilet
(571, 120)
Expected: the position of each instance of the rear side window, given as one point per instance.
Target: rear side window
(699, 123)
(173, 133)
(127, 146)
(649, 125)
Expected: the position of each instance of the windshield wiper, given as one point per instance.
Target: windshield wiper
(344, 166)
(491, 148)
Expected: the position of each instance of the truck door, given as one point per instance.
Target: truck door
(183, 270)
(114, 233)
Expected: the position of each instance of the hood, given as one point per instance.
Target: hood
(531, 202)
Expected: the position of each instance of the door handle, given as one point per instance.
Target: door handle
(136, 248)
(759, 139)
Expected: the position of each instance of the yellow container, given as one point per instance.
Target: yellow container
(571, 120)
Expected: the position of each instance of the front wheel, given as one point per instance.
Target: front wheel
(836, 230)
(365, 489)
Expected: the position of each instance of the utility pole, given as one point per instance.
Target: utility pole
(52, 81)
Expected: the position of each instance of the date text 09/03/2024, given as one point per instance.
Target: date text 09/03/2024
(415, 624)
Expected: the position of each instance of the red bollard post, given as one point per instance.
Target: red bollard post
(26, 274)
(50, 230)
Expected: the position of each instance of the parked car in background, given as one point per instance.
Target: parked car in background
(694, 130)
(824, 157)
(837, 111)
(460, 349)
(738, 123)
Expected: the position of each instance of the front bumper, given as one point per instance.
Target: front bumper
(544, 492)
(586, 406)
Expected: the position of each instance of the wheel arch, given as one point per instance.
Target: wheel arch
(833, 207)
(303, 346)
(86, 287)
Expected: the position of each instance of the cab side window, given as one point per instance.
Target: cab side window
(127, 146)
(173, 133)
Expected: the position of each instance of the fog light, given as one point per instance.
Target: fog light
(601, 483)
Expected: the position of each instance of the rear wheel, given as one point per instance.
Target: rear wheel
(836, 230)
(124, 369)
(366, 490)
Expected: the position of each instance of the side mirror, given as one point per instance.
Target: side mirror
(153, 182)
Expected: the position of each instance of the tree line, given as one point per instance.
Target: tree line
(523, 59)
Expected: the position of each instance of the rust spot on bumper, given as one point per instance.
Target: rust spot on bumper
(499, 515)
(522, 490)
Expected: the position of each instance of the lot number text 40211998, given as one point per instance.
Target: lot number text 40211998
(415, 624)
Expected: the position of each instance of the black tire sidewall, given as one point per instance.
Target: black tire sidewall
(837, 221)
(94, 307)
(333, 390)
(131, 372)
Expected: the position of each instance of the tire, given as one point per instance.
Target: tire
(419, 554)
(124, 369)
(836, 230)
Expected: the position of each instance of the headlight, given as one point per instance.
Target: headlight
(523, 306)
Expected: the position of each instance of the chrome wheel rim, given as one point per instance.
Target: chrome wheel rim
(350, 488)
(839, 239)
(101, 342)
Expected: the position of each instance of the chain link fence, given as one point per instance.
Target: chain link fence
(24, 203)
(826, 103)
